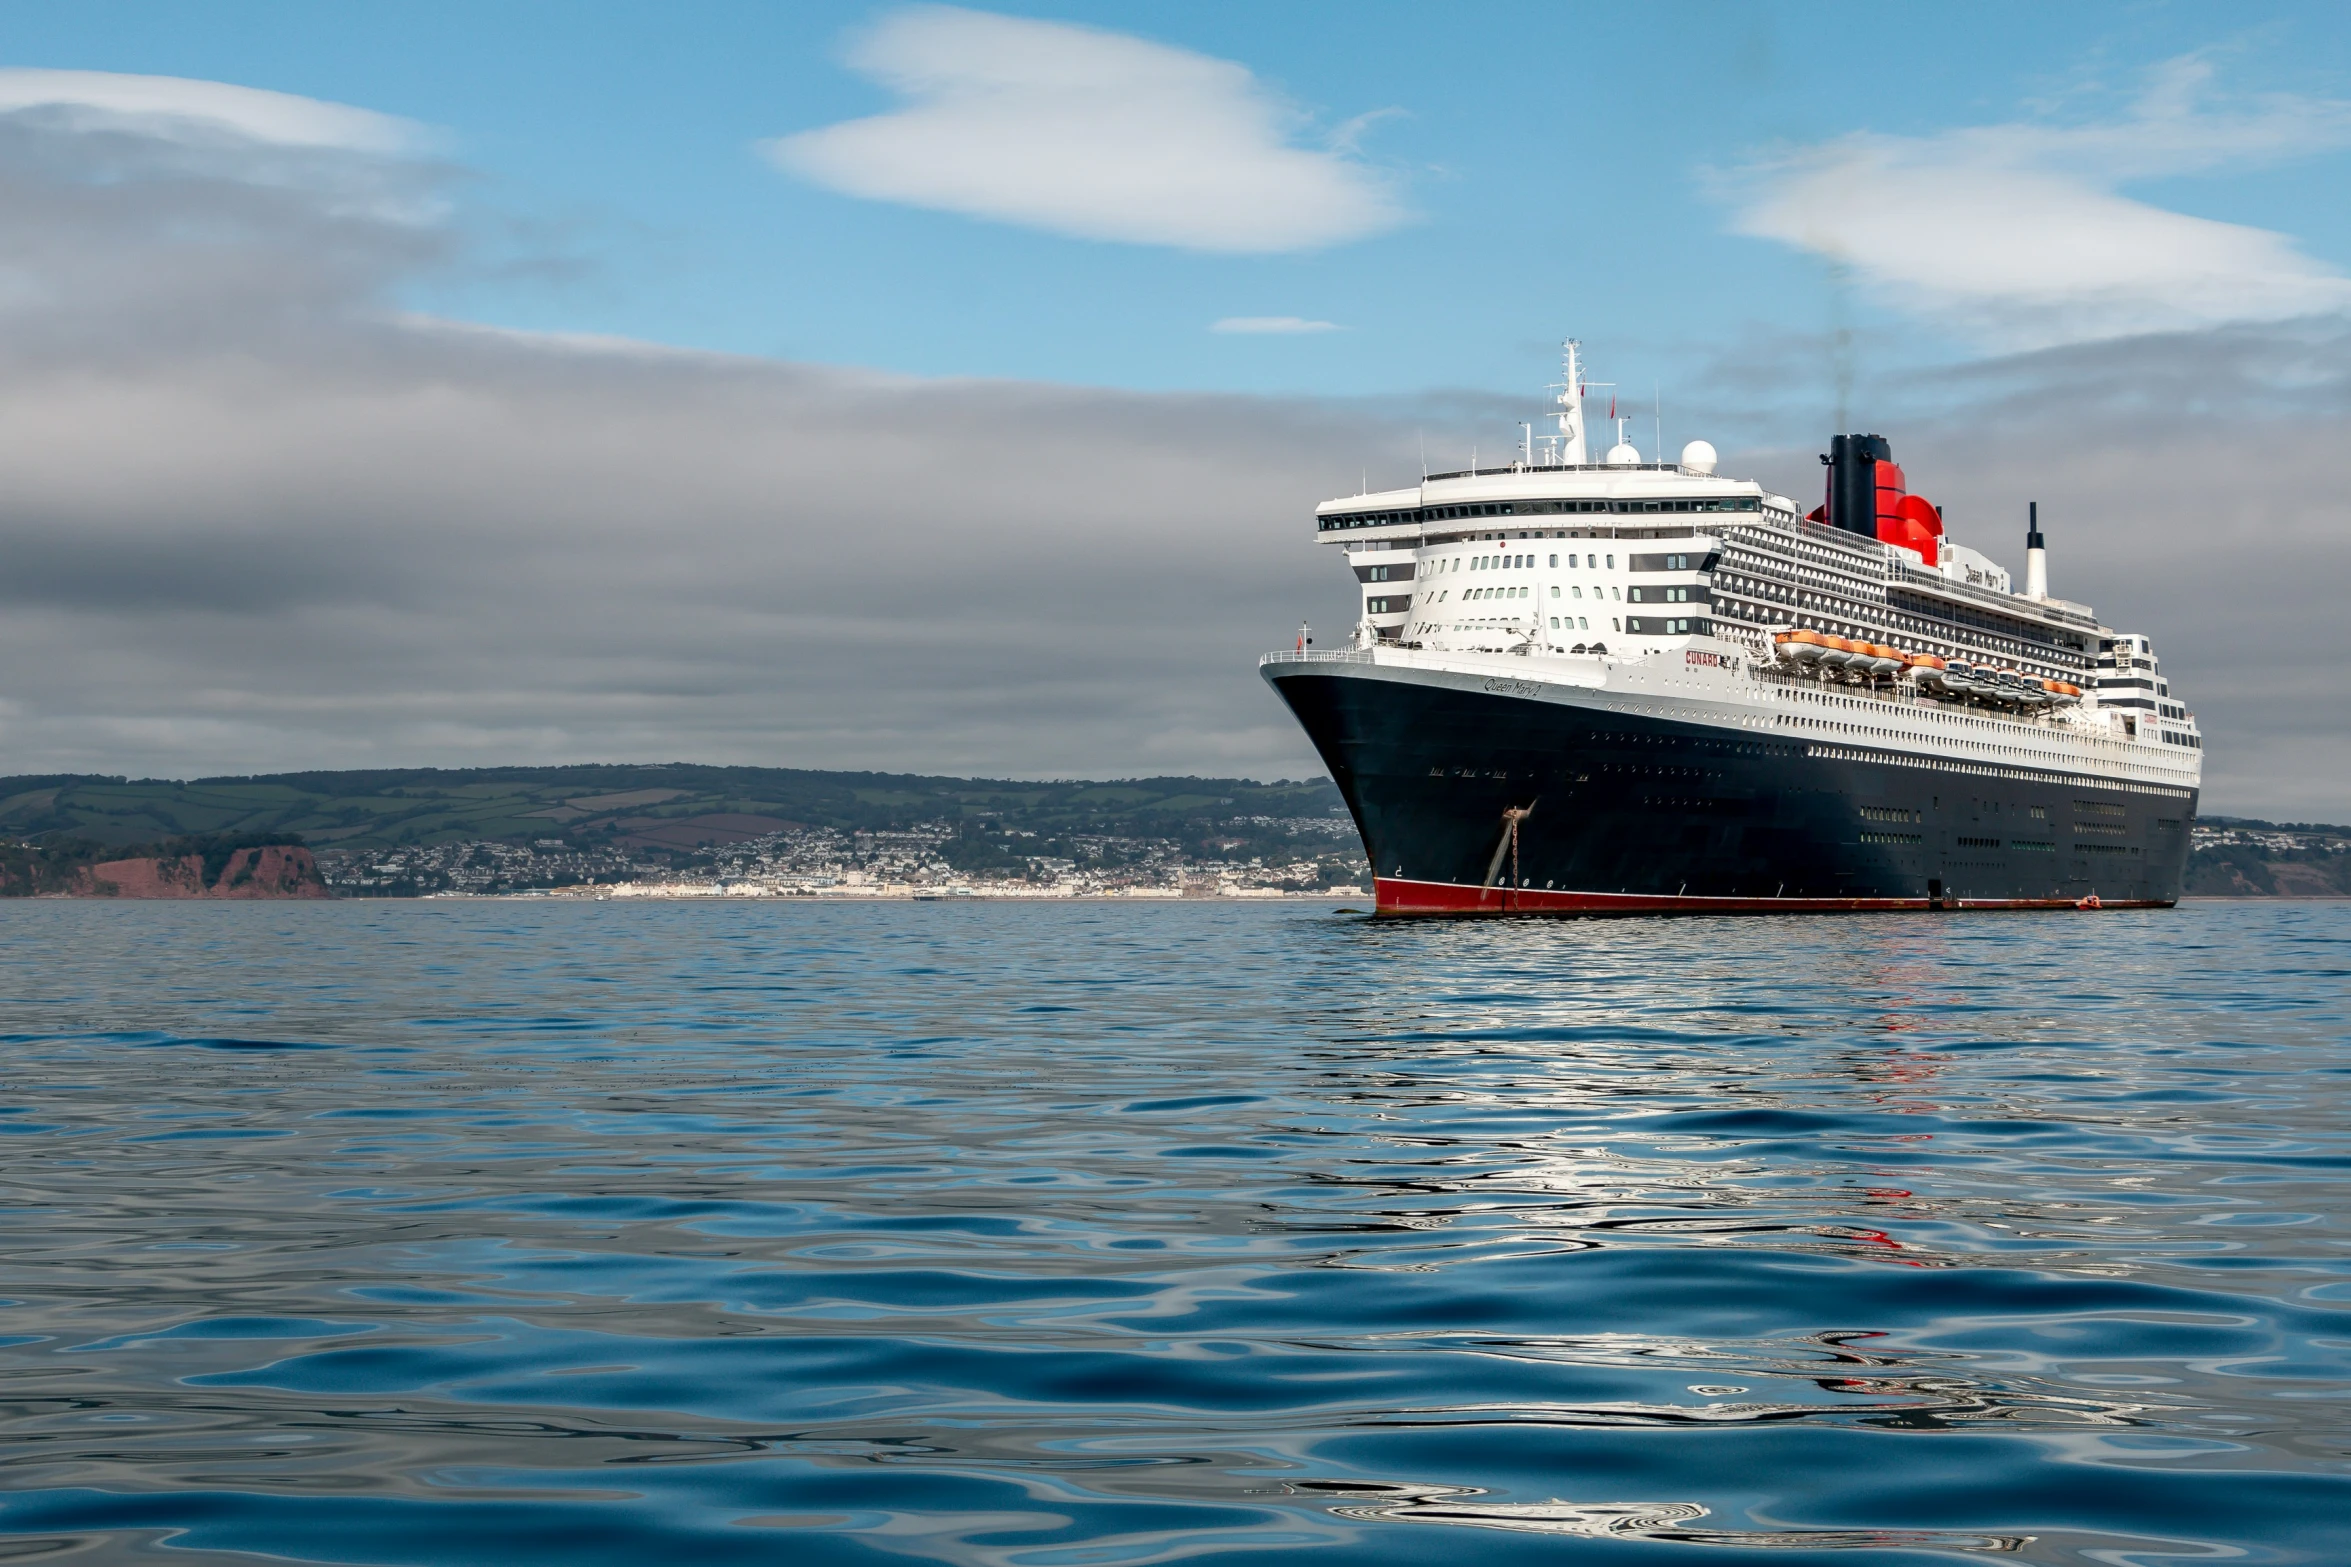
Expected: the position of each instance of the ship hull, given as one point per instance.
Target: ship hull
(1635, 813)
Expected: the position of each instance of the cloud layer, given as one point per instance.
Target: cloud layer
(179, 108)
(1087, 133)
(256, 519)
(2018, 236)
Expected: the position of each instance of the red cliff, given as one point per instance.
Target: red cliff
(277, 871)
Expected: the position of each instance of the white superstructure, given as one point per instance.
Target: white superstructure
(1688, 595)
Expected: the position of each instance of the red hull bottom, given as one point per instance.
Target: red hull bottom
(1398, 897)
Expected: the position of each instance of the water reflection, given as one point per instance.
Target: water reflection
(1062, 1235)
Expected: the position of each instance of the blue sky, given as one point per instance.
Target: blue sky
(1550, 169)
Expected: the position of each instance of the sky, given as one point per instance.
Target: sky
(949, 389)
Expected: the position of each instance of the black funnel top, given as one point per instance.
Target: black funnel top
(1853, 481)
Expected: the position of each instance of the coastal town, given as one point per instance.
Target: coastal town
(929, 859)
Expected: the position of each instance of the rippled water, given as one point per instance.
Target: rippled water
(1056, 1235)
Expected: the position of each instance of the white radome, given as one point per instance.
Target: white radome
(1699, 457)
(1622, 455)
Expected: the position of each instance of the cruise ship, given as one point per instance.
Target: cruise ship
(1639, 686)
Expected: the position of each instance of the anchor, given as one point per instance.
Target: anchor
(1511, 817)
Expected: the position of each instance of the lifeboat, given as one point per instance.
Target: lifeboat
(1884, 660)
(1835, 653)
(1962, 678)
(1800, 646)
(2061, 690)
(1925, 669)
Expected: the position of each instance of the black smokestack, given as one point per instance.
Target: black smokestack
(1853, 481)
(2032, 526)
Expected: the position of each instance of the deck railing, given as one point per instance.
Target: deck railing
(1315, 655)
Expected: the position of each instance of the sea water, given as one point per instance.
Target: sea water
(1043, 1235)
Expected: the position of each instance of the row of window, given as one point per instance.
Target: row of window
(2022, 630)
(1404, 572)
(1887, 813)
(1558, 623)
(1891, 837)
(2176, 737)
(1470, 595)
(1640, 627)
(1412, 515)
(1963, 720)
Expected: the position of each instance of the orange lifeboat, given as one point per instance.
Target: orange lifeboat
(1799, 646)
(1835, 652)
(1925, 669)
(1884, 660)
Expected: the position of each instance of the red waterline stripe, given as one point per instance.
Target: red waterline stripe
(1397, 896)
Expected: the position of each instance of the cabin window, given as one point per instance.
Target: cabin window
(1554, 560)
(1555, 590)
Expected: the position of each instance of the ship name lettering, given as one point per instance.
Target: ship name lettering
(1513, 687)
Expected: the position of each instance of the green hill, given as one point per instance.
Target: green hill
(655, 809)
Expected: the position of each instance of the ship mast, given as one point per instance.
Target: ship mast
(1572, 450)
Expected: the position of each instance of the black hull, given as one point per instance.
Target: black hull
(1630, 814)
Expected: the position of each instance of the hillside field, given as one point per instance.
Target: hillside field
(654, 809)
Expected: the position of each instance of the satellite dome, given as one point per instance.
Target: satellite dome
(1622, 455)
(1699, 457)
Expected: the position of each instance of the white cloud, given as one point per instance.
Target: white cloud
(1273, 325)
(165, 105)
(1088, 133)
(2017, 234)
